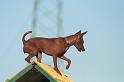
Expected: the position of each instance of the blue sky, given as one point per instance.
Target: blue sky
(103, 60)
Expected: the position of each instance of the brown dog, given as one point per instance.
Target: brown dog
(55, 47)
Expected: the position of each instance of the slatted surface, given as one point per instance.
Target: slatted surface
(49, 70)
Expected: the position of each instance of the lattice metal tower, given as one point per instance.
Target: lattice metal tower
(47, 20)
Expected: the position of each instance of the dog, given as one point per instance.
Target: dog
(55, 47)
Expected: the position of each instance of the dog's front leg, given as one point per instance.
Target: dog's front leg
(55, 64)
(66, 59)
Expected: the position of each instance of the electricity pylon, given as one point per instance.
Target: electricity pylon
(47, 20)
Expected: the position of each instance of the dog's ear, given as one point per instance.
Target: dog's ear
(78, 33)
(82, 34)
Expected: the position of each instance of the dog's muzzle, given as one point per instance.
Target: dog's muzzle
(83, 50)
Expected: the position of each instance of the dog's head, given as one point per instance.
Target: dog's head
(79, 43)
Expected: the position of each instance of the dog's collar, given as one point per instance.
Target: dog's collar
(67, 42)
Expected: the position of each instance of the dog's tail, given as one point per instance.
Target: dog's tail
(23, 38)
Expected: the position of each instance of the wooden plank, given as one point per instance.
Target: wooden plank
(46, 70)
(47, 75)
(51, 73)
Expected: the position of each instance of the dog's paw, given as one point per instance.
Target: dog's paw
(67, 67)
(32, 63)
(58, 71)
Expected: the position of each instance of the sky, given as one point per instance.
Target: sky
(103, 60)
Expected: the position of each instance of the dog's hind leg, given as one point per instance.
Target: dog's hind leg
(66, 59)
(31, 54)
(28, 58)
(39, 56)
